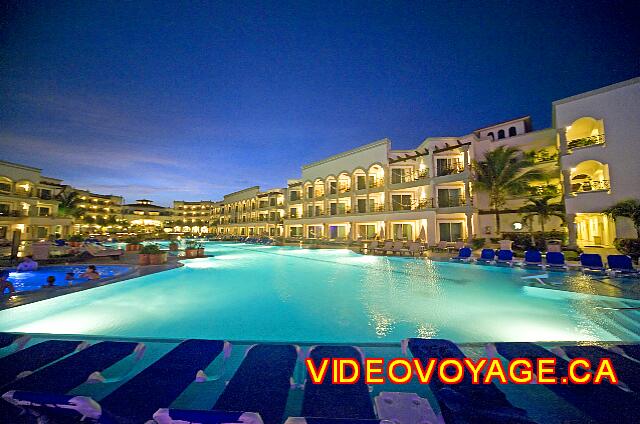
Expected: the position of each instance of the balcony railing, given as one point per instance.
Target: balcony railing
(13, 214)
(411, 176)
(454, 168)
(344, 188)
(593, 140)
(376, 183)
(587, 186)
(453, 202)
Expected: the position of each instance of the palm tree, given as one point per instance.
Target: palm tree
(67, 203)
(502, 173)
(626, 209)
(544, 210)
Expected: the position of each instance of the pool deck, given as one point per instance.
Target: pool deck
(128, 258)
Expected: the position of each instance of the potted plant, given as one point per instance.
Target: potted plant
(75, 240)
(192, 249)
(200, 250)
(133, 244)
(151, 255)
(174, 246)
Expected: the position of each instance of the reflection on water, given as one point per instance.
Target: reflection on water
(269, 293)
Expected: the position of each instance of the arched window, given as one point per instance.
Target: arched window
(512, 131)
(500, 134)
(490, 134)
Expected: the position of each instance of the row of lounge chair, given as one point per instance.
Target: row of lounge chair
(393, 248)
(259, 389)
(618, 265)
(255, 240)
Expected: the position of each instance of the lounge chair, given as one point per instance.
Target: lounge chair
(465, 401)
(487, 256)
(442, 246)
(555, 261)
(136, 400)
(591, 263)
(387, 247)
(621, 266)
(33, 358)
(370, 247)
(327, 400)
(68, 373)
(98, 251)
(464, 255)
(261, 384)
(7, 339)
(259, 388)
(505, 257)
(398, 247)
(627, 370)
(603, 402)
(414, 249)
(532, 259)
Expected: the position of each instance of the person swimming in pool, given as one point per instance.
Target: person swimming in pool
(51, 280)
(5, 283)
(69, 278)
(90, 273)
(27, 264)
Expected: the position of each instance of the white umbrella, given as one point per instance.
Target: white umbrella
(382, 233)
(423, 234)
(399, 233)
(349, 234)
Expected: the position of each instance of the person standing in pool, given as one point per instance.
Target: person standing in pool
(5, 283)
(90, 273)
(28, 264)
(69, 278)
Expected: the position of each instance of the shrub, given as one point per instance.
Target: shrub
(629, 247)
(522, 241)
(477, 243)
(132, 240)
(150, 249)
(190, 244)
(76, 237)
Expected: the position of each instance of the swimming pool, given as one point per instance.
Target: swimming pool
(264, 293)
(34, 280)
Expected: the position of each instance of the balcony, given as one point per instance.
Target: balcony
(376, 183)
(452, 202)
(12, 214)
(411, 176)
(589, 186)
(344, 188)
(579, 143)
(454, 168)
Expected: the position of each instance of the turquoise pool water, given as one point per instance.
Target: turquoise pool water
(263, 293)
(34, 280)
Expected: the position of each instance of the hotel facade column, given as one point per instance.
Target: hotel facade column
(573, 230)
(431, 228)
(467, 196)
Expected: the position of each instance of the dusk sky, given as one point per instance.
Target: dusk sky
(194, 100)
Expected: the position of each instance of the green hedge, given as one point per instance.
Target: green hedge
(522, 241)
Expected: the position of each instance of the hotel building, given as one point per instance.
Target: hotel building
(599, 139)
(28, 203)
(97, 212)
(375, 191)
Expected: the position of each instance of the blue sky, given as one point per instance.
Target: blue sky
(190, 101)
